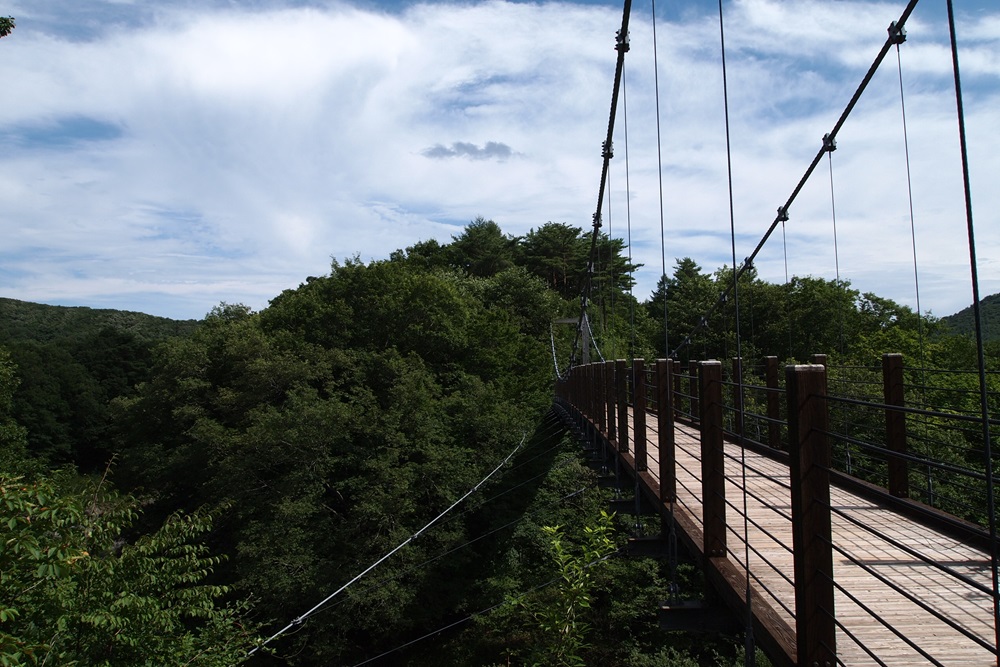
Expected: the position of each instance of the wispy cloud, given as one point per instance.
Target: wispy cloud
(492, 150)
(167, 156)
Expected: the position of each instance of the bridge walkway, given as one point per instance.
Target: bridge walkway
(903, 590)
(770, 527)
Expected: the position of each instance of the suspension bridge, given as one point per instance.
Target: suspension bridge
(841, 515)
(810, 495)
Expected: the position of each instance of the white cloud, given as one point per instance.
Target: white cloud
(255, 145)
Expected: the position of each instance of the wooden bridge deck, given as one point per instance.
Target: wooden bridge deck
(770, 558)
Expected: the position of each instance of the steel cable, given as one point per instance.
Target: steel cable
(301, 619)
(782, 214)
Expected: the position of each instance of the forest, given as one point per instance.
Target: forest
(175, 493)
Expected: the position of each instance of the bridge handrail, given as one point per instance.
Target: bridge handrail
(758, 422)
(696, 398)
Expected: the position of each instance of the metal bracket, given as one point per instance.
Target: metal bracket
(829, 143)
(782, 214)
(607, 150)
(597, 220)
(897, 33)
(621, 41)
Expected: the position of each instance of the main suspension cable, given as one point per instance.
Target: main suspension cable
(607, 152)
(628, 227)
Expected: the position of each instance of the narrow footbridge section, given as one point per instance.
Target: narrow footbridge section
(762, 484)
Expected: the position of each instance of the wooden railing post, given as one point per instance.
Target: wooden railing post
(621, 399)
(587, 389)
(809, 466)
(895, 423)
(665, 430)
(713, 480)
(610, 404)
(639, 414)
(736, 399)
(592, 392)
(773, 402)
(675, 369)
(600, 404)
(693, 372)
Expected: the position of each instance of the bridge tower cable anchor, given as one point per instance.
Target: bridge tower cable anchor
(897, 33)
(783, 218)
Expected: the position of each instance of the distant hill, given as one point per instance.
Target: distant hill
(70, 363)
(23, 320)
(963, 322)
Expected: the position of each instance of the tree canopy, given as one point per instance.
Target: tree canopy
(276, 454)
(75, 591)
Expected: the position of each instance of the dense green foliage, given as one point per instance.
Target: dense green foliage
(71, 363)
(324, 431)
(558, 620)
(964, 321)
(13, 436)
(22, 320)
(792, 320)
(74, 592)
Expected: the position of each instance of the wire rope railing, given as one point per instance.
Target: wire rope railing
(683, 404)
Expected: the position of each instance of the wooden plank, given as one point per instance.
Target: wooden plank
(768, 531)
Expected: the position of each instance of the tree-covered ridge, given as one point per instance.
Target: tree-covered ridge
(71, 363)
(964, 322)
(335, 423)
(23, 320)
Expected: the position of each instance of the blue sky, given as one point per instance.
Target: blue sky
(167, 156)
